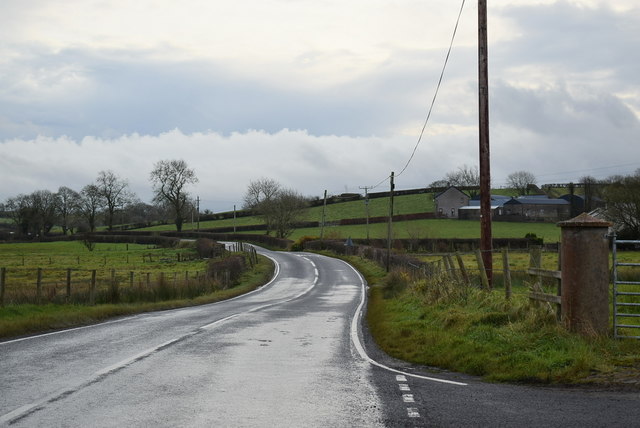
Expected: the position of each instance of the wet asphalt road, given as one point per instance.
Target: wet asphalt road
(291, 354)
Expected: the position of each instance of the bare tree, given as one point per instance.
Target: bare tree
(284, 209)
(464, 176)
(89, 205)
(114, 194)
(592, 191)
(622, 195)
(19, 208)
(521, 181)
(259, 196)
(67, 201)
(259, 191)
(280, 208)
(34, 213)
(169, 179)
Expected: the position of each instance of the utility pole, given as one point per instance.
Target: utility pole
(389, 228)
(324, 207)
(485, 169)
(198, 212)
(234, 218)
(366, 205)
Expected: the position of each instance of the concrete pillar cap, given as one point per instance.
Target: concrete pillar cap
(584, 220)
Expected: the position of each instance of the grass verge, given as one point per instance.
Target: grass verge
(443, 324)
(20, 320)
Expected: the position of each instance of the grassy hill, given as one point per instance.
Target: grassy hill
(405, 204)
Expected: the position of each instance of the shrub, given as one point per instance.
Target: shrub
(533, 239)
(208, 248)
(395, 283)
(299, 244)
(235, 265)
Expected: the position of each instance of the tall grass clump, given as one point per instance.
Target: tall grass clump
(441, 322)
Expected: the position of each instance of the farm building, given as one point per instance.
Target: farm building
(580, 204)
(536, 208)
(449, 201)
(472, 211)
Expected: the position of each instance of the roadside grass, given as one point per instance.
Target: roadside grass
(20, 320)
(446, 325)
(441, 323)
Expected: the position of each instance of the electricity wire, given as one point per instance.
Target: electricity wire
(433, 101)
(435, 95)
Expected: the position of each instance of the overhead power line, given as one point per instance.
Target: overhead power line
(435, 95)
(433, 101)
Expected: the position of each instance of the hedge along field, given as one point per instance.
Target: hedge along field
(53, 261)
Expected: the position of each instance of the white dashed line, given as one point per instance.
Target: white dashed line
(408, 398)
(355, 338)
(412, 412)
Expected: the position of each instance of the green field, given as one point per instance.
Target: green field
(436, 228)
(125, 264)
(379, 207)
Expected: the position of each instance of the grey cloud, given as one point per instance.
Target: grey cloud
(123, 94)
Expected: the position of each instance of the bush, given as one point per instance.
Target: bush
(208, 248)
(233, 266)
(395, 283)
(533, 239)
(299, 245)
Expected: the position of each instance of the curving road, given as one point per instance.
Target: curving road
(289, 354)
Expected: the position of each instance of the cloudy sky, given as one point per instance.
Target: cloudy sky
(317, 94)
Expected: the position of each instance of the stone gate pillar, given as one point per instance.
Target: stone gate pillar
(585, 275)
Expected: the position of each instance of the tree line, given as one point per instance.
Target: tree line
(109, 200)
(105, 201)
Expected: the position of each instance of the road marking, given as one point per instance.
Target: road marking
(401, 378)
(66, 330)
(30, 408)
(412, 412)
(355, 338)
(404, 387)
(408, 398)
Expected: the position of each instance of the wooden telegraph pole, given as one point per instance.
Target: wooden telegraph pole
(485, 170)
(389, 225)
(366, 205)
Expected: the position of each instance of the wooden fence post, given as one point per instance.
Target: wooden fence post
(92, 288)
(463, 270)
(39, 286)
(68, 285)
(506, 273)
(535, 261)
(454, 273)
(3, 277)
(114, 287)
(483, 272)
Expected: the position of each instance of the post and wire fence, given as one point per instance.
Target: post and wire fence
(75, 285)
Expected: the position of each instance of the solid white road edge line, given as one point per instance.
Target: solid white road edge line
(355, 338)
(26, 409)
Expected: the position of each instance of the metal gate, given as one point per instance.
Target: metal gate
(626, 297)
